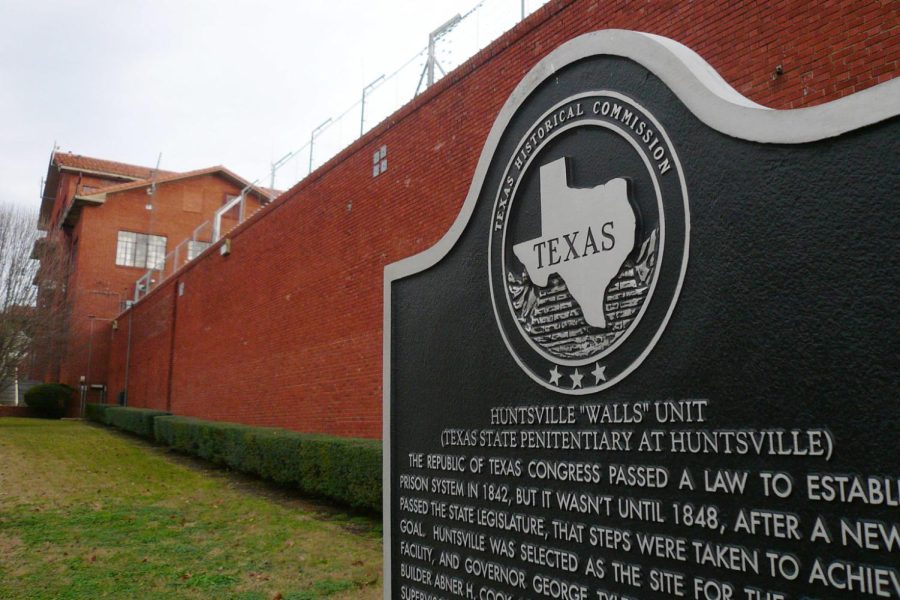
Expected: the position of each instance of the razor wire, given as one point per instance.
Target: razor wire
(457, 40)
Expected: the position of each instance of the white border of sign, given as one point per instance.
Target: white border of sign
(704, 93)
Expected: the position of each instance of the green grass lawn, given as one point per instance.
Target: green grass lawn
(89, 513)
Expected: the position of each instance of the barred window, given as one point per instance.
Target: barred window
(141, 250)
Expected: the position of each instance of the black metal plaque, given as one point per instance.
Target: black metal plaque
(657, 355)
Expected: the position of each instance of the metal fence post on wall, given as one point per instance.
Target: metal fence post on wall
(312, 140)
(431, 61)
(362, 110)
(277, 165)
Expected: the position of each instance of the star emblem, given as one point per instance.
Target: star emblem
(599, 373)
(576, 379)
(554, 376)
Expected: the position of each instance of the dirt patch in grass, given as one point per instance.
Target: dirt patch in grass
(9, 544)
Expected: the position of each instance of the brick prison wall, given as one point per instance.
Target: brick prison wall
(287, 330)
(98, 285)
(149, 365)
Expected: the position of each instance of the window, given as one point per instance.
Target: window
(141, 250)
(379, 161)
(195, 248)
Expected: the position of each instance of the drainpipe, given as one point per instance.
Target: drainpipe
(179, 289)
(128, 355)
(90, 346)
(92, 318)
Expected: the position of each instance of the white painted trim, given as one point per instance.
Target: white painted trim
(104, 174)
(723, 108)
(705, 94)
(386, 441)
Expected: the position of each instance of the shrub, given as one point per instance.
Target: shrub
(135, 420)
(49, 400)
(97, 412)
(341, 469)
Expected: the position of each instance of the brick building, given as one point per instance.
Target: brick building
(107, 224)
(286, 329)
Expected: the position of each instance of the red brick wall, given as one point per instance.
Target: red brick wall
(98, 286)
(16, 411)
(287, 329)
(119, 356)
(151, 332)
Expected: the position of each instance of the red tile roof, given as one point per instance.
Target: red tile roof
(98, 165)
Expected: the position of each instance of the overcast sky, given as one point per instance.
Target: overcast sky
(232, 82)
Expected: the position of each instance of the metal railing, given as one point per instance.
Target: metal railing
(202, 237)
(450, 45)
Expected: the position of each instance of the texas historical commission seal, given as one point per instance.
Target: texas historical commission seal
(589, 242)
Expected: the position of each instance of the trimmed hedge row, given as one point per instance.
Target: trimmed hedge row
(97, 412)
(342, 469)
(135, 420)
(345, 470)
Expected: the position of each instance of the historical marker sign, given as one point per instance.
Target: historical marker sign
(657, 354)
